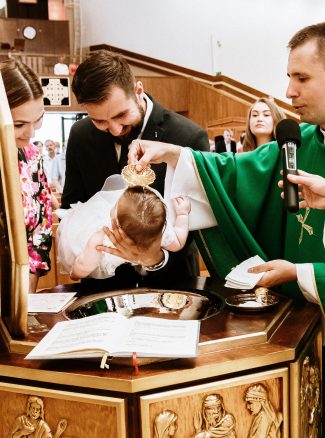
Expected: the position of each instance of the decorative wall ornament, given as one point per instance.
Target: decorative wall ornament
(310, 399)
(56, 91)
(33, 424)
(213, 420)
(267, 421)
(165, 424)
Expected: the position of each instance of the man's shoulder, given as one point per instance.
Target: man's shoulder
(172, 117)
(84, 133)
(82, 124)
(308, 130)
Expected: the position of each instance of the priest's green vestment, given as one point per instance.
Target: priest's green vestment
(245, 198)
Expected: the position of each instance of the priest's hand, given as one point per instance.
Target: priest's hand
(276, 272)
(127, 249)
(144, 152)
(311, 189)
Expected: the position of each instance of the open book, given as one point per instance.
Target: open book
(118, 336)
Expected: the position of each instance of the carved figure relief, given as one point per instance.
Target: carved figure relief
(213, 420)
(310, 399)
(33, 424)
(267, 421)
(165, 424)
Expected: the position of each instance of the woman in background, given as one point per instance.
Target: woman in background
(263, 116)
(25, 98)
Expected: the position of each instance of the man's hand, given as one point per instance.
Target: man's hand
(276, 272)
(127, 249)
(311, 189)
(144, 152)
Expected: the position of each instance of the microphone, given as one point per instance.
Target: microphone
(288, 136)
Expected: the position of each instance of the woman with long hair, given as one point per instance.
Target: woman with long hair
(25, 98)
(263, 116)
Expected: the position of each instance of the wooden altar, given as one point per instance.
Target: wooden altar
(247, 361)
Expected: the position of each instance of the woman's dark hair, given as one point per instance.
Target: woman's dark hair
(20, 82)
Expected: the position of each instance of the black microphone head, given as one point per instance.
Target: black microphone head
(288, 130)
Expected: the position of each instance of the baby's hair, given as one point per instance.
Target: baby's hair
(142, 215)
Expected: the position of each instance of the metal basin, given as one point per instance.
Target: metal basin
(159, 303)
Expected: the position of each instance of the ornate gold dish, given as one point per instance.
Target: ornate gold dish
(144, 177)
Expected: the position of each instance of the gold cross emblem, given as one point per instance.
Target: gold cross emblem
(302, 219)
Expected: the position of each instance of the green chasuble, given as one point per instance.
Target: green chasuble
(245, 198)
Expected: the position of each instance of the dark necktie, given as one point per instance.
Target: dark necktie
(123, 161)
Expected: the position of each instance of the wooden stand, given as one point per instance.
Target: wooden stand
(274, 356)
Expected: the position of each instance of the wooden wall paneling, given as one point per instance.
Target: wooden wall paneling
(207, 103)
(61, 38)
(170, 91)
(8, 30)
(48, 32)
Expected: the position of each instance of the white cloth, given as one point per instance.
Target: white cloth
(82, 220)
(201, 215)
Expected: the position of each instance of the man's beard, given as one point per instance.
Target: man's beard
(135, 130)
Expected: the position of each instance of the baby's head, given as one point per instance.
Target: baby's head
(142, 215)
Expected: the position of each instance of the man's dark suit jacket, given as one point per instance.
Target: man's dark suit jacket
(91, 158)
(220, 145)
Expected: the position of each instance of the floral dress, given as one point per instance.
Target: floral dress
(36, 197)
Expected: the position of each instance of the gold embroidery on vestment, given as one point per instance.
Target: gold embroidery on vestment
(304, 226)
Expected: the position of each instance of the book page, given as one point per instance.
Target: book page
(118, 336)
(98, 333)
(52, 302)
(157, 337)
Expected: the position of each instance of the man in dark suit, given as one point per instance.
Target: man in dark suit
(119, 112)
(224, 143)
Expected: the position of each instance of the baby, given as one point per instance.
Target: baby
(139, 211)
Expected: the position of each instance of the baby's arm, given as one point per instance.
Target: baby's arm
(182, 206)
(88, 260)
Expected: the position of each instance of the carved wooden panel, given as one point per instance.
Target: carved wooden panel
(243, 407)
(306, 390)
(34, 411)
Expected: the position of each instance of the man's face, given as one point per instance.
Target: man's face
(50, 147)
(35, 411)
(226, 136)
(306, 88)
(213, 415)
(118, 114)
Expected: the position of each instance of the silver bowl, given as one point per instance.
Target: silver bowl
(159, 303)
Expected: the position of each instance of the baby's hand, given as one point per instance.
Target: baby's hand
(182, 205)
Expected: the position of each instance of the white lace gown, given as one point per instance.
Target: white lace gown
(81, 221)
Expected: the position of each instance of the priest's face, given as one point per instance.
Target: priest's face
(118, 114)
(306, 89)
